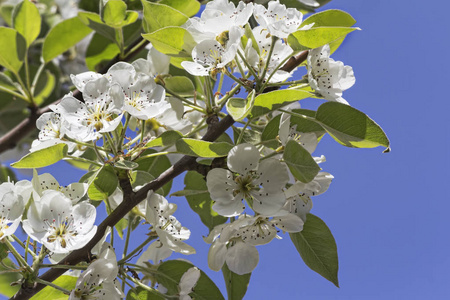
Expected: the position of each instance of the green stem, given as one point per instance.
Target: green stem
(85, 144)
(140, 44)
(67, 292)
(99, 156)
(36, 77)
(15, 94)
(249, 67)
(127, 240)
(27, 75)
(82, 159)
(299, 115)
(219, 88)
(142, 130)
(192, 104)
(274, 71)
(148, 240)
(124, 130)
(269, 56)
(17, 255)
(24, 88)
(37, 261)
(209, 93)
(65, 267)
(111, 143)
(228, 95)
(235, 79)
(156, 154)
(144, 286)
(121, 43)
(301, 83)
(241, 135)
(28, 250)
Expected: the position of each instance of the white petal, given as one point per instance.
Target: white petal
(243, 158)
(216, 255)
(242, 258)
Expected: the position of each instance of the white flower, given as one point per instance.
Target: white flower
(259, 183)
(209, 55)
(74, 191)
(101, 112)
(299, 194)
(218, 17)
(287, 132)
(277, 19)
(281, 51)
(156, 252)
(188, 282)
(61, 227)
(142, 97)
(327, 77)
(156, 63)
(169, 230)
(13, 198)
(99, 279)
(241, 257)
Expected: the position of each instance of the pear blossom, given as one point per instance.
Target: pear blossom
(74, 191)
(327, 77)
(209, 56)
(13, 198)
(142, 97)
(278, 20)
(169, 230)
(188, 282)
(218, 17)
(59, 226)
(156, 63)
(287, 132)
(260, 183)
(259, 59)
(99, 279)
(156, 252)
(299, 194)
(101, 112)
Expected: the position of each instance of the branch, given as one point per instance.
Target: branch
(21, 130)
(131, 199)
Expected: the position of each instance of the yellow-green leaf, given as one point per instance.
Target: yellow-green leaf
(12, 49)
(27, 21)
(204, 149)
(42, 158)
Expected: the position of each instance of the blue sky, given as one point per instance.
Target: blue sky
(388, 212)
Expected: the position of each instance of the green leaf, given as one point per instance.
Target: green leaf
(317, 248)
(236, 284)
(172, 41)
(115, 14)
(6, 174)
(44, 87)
(305, 125)
(239, 108)
(197, 195)
(181, 85)
(167, 138)
(7, 278)
(317, 37)
(169, 274)
(100, 50)
(300, 162)
(42, 158)
(62, 37)
(126, 165)
(155, 166)
(103, 183)
(331, 17)
(65, 281)
(351, 127)
(6, 12)
(267, 102)
(12, 49)
(249, 136)
(140, 178)
(27, 21)
(159, 16)
(199, 148)
(94, 21)
(142, 294)
(187, 7)
(270, 133)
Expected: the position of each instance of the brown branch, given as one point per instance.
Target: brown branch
(21, 130)
(131, 199)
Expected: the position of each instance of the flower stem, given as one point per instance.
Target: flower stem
(67, 292)
(127, 240)
(148, 240)
(65, 267)
(269, 56)
(241, 135)
(17, 255)
(24, 246)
